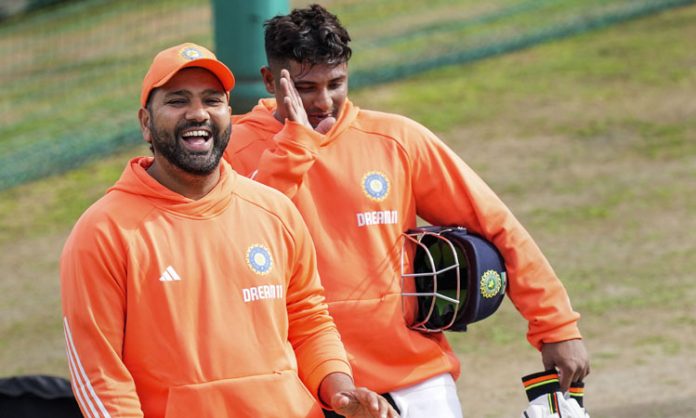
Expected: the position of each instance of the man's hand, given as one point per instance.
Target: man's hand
(569, 358)
(293, 108)
(347, 400)
(362, 402)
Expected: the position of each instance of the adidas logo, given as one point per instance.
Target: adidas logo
(169, 275)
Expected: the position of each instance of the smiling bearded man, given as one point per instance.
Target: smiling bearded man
(191, 291)
(194, 145)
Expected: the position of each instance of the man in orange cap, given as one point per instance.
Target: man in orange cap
(189, 290)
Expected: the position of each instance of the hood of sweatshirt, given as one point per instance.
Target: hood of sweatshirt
(261, 117)
(136, 181)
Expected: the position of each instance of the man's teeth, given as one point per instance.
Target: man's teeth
(189, 134)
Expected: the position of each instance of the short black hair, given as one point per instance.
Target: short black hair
(309, 36)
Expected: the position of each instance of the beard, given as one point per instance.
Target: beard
(169, 145)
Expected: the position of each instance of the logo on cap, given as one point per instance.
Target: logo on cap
(375, 185)
(490, 284)
(259, 259)
(191, 53)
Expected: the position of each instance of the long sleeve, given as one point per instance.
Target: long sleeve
(284, 166)
(448, 192)
(93, 295)
(312, 332)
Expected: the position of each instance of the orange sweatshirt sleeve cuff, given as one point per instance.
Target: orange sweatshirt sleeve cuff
(569, 331)
(315, 378)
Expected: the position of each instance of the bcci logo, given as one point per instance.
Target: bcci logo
(259, 259)
(191, 53)
(491, 282)
(375, 185)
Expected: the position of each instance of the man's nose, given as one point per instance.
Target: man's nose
(197, 112)
(323, 100)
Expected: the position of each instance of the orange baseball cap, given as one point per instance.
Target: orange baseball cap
(172, 60)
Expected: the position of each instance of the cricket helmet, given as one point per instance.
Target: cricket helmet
(457, 279)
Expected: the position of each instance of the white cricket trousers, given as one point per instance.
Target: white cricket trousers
(433, 398)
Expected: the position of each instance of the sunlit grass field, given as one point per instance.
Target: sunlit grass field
(590, 140)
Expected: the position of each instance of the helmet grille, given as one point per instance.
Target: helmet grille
(435, 281)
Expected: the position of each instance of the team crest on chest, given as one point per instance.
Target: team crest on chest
(259, 259)
(375, 185)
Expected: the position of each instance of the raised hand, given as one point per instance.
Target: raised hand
(292, 102)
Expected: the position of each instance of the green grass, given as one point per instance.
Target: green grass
(73, 72)
(590, 140)
(562, 73)
(53, 204)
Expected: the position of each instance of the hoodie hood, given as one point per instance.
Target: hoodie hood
(260, 117)
(137, 182)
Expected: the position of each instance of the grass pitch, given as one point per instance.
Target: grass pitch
(592, 143)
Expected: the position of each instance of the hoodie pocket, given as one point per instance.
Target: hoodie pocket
(280, 394)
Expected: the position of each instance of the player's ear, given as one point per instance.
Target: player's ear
(268, 79)
(144, 118)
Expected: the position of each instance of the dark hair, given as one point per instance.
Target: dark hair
(309, 36)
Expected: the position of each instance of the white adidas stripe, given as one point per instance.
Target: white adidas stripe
(78, 388)
(80, 377)
(169, 275)
(77, 380)
(173, 273)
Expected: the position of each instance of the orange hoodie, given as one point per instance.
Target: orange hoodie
(358, 188)
(181, 308)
